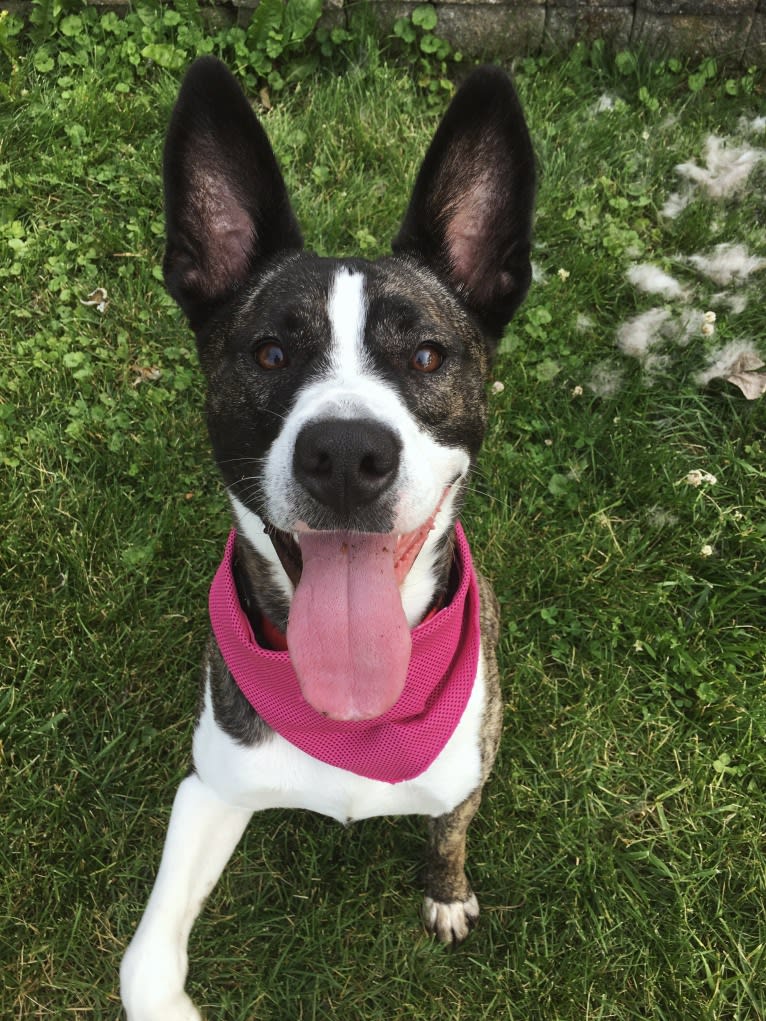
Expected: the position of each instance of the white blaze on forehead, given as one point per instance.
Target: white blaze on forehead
(347, 309)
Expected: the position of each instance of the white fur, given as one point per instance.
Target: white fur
(639, 335)
(604, 103)
(728, 263)
(727, 168)
(726, 172)
(652, 280)
(202, 834)
(347, 310)
(450, 921)
(676, 203)
(606, 379)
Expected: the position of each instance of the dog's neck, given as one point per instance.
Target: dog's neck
(266, 584)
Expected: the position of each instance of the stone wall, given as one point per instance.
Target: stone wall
(732, 30)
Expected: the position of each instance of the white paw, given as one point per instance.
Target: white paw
(146, 1007)
(152, 989)
(450, 921)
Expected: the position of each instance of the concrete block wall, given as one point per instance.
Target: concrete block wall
(734, 31)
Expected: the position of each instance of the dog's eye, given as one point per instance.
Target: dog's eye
(427, 358)
(270, 355)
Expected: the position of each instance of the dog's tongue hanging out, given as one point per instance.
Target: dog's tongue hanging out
(347, 634)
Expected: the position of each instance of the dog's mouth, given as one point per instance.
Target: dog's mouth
(406, 548)
(347, 634)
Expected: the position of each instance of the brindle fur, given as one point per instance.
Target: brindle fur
(445, 879)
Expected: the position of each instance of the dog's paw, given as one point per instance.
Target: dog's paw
(450, 921)
(151, 985)
(179, 1008)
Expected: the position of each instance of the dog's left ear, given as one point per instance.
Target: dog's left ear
(470, 215)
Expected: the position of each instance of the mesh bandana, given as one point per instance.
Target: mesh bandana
(405, 740)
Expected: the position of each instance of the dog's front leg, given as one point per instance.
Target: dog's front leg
(450, 908)
(202, 834)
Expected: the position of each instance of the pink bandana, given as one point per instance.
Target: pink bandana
(405, 740)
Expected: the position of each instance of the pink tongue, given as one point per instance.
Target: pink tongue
(347, 634)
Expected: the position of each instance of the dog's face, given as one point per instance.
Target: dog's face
(347, 397)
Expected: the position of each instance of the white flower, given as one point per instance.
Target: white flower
(577, 391)
(709, 317)
(708, 329)
(706, 551)
(498, 387)
(696, 478)
(563, 274)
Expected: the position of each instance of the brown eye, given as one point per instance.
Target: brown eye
(270, 355)
(427, 358)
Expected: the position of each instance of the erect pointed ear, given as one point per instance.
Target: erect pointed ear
(226, 205)
(470, 215)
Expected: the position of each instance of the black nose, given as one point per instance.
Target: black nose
(346, 464)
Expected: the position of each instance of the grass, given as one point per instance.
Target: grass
(619, 854)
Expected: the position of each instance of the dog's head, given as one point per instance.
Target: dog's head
(347, 397)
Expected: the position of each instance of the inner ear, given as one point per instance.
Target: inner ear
(216, 213)
(467, 224)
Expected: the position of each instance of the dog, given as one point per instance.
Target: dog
(350, 668)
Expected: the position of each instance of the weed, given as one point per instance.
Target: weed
(431, 55)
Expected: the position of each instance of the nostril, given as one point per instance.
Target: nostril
(375, 466)
(322, 463)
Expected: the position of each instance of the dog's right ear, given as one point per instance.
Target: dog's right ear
(226, 205)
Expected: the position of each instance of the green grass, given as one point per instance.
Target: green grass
(619, 854)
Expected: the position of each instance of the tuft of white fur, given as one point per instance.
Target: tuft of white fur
(727, 167)
(726, 171)
(753, 127)
(676, 203)
(605, 379)
(604, 103)
(736, 302)
(637, 336)
(736, 357)
(728, 263)
(652, 280)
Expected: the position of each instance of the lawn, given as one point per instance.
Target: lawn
(620, 506)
